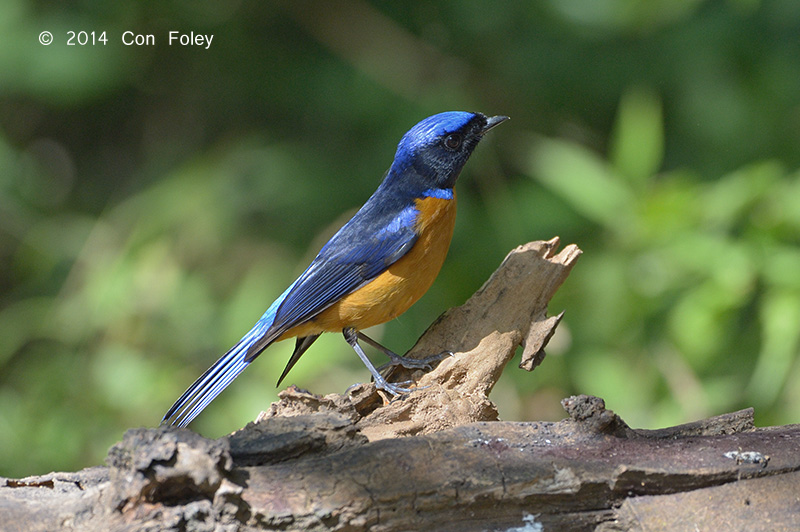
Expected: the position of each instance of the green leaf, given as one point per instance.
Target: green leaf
(637, 149)
(584, 180)
(780, 314)
(725, 201)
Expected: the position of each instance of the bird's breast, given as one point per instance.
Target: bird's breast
(392, 292)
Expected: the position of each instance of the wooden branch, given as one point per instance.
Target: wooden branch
(337, 462)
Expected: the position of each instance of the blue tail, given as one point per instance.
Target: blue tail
(222, 372)
(210, 383)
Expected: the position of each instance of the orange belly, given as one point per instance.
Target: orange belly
(392, 292)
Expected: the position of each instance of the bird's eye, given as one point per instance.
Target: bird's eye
(452, 141)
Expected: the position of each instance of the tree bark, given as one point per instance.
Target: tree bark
(436, 458)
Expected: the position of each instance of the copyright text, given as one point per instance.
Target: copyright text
(129, 38)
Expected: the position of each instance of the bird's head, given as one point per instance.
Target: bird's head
(438, 147)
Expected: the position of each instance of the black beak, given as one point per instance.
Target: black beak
(493, 121)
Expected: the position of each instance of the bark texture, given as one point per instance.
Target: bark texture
(437, 458)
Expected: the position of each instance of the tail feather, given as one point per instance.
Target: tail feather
(207, 387)
(300, 347)
(216, 378)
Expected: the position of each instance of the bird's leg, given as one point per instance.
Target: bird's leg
(406, 362)
(351, 336)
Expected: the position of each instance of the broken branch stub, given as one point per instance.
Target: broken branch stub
(509, 310)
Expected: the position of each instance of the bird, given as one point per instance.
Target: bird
(372, 269)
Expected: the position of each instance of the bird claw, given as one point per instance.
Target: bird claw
(393, 388)
(397, 388)
(414, 363)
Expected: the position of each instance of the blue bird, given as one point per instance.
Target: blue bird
(373, 269)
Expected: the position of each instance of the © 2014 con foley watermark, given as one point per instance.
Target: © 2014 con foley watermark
(129, 38)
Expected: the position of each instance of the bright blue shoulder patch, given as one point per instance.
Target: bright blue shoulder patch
(441, 193)
(405, 219)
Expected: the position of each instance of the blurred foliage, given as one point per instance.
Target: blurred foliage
(154, 200)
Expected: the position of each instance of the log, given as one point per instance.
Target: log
(437, 458)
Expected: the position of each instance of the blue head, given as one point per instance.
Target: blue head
(432, 153)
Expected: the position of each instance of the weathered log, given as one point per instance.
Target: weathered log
(317, 472)
(437, 458)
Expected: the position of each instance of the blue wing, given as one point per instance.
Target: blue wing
(379, 234)
(347, 262)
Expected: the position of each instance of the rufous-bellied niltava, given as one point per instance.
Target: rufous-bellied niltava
(373, 269)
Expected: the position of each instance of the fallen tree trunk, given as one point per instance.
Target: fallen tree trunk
(436, 458)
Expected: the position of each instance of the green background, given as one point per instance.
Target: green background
(154, 200)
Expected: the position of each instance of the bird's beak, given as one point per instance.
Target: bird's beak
(493, 121)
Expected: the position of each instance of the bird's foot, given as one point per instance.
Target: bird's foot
(406, 362)
(395, 388)
(414, 363)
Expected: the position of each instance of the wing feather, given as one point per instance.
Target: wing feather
(347, 262)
